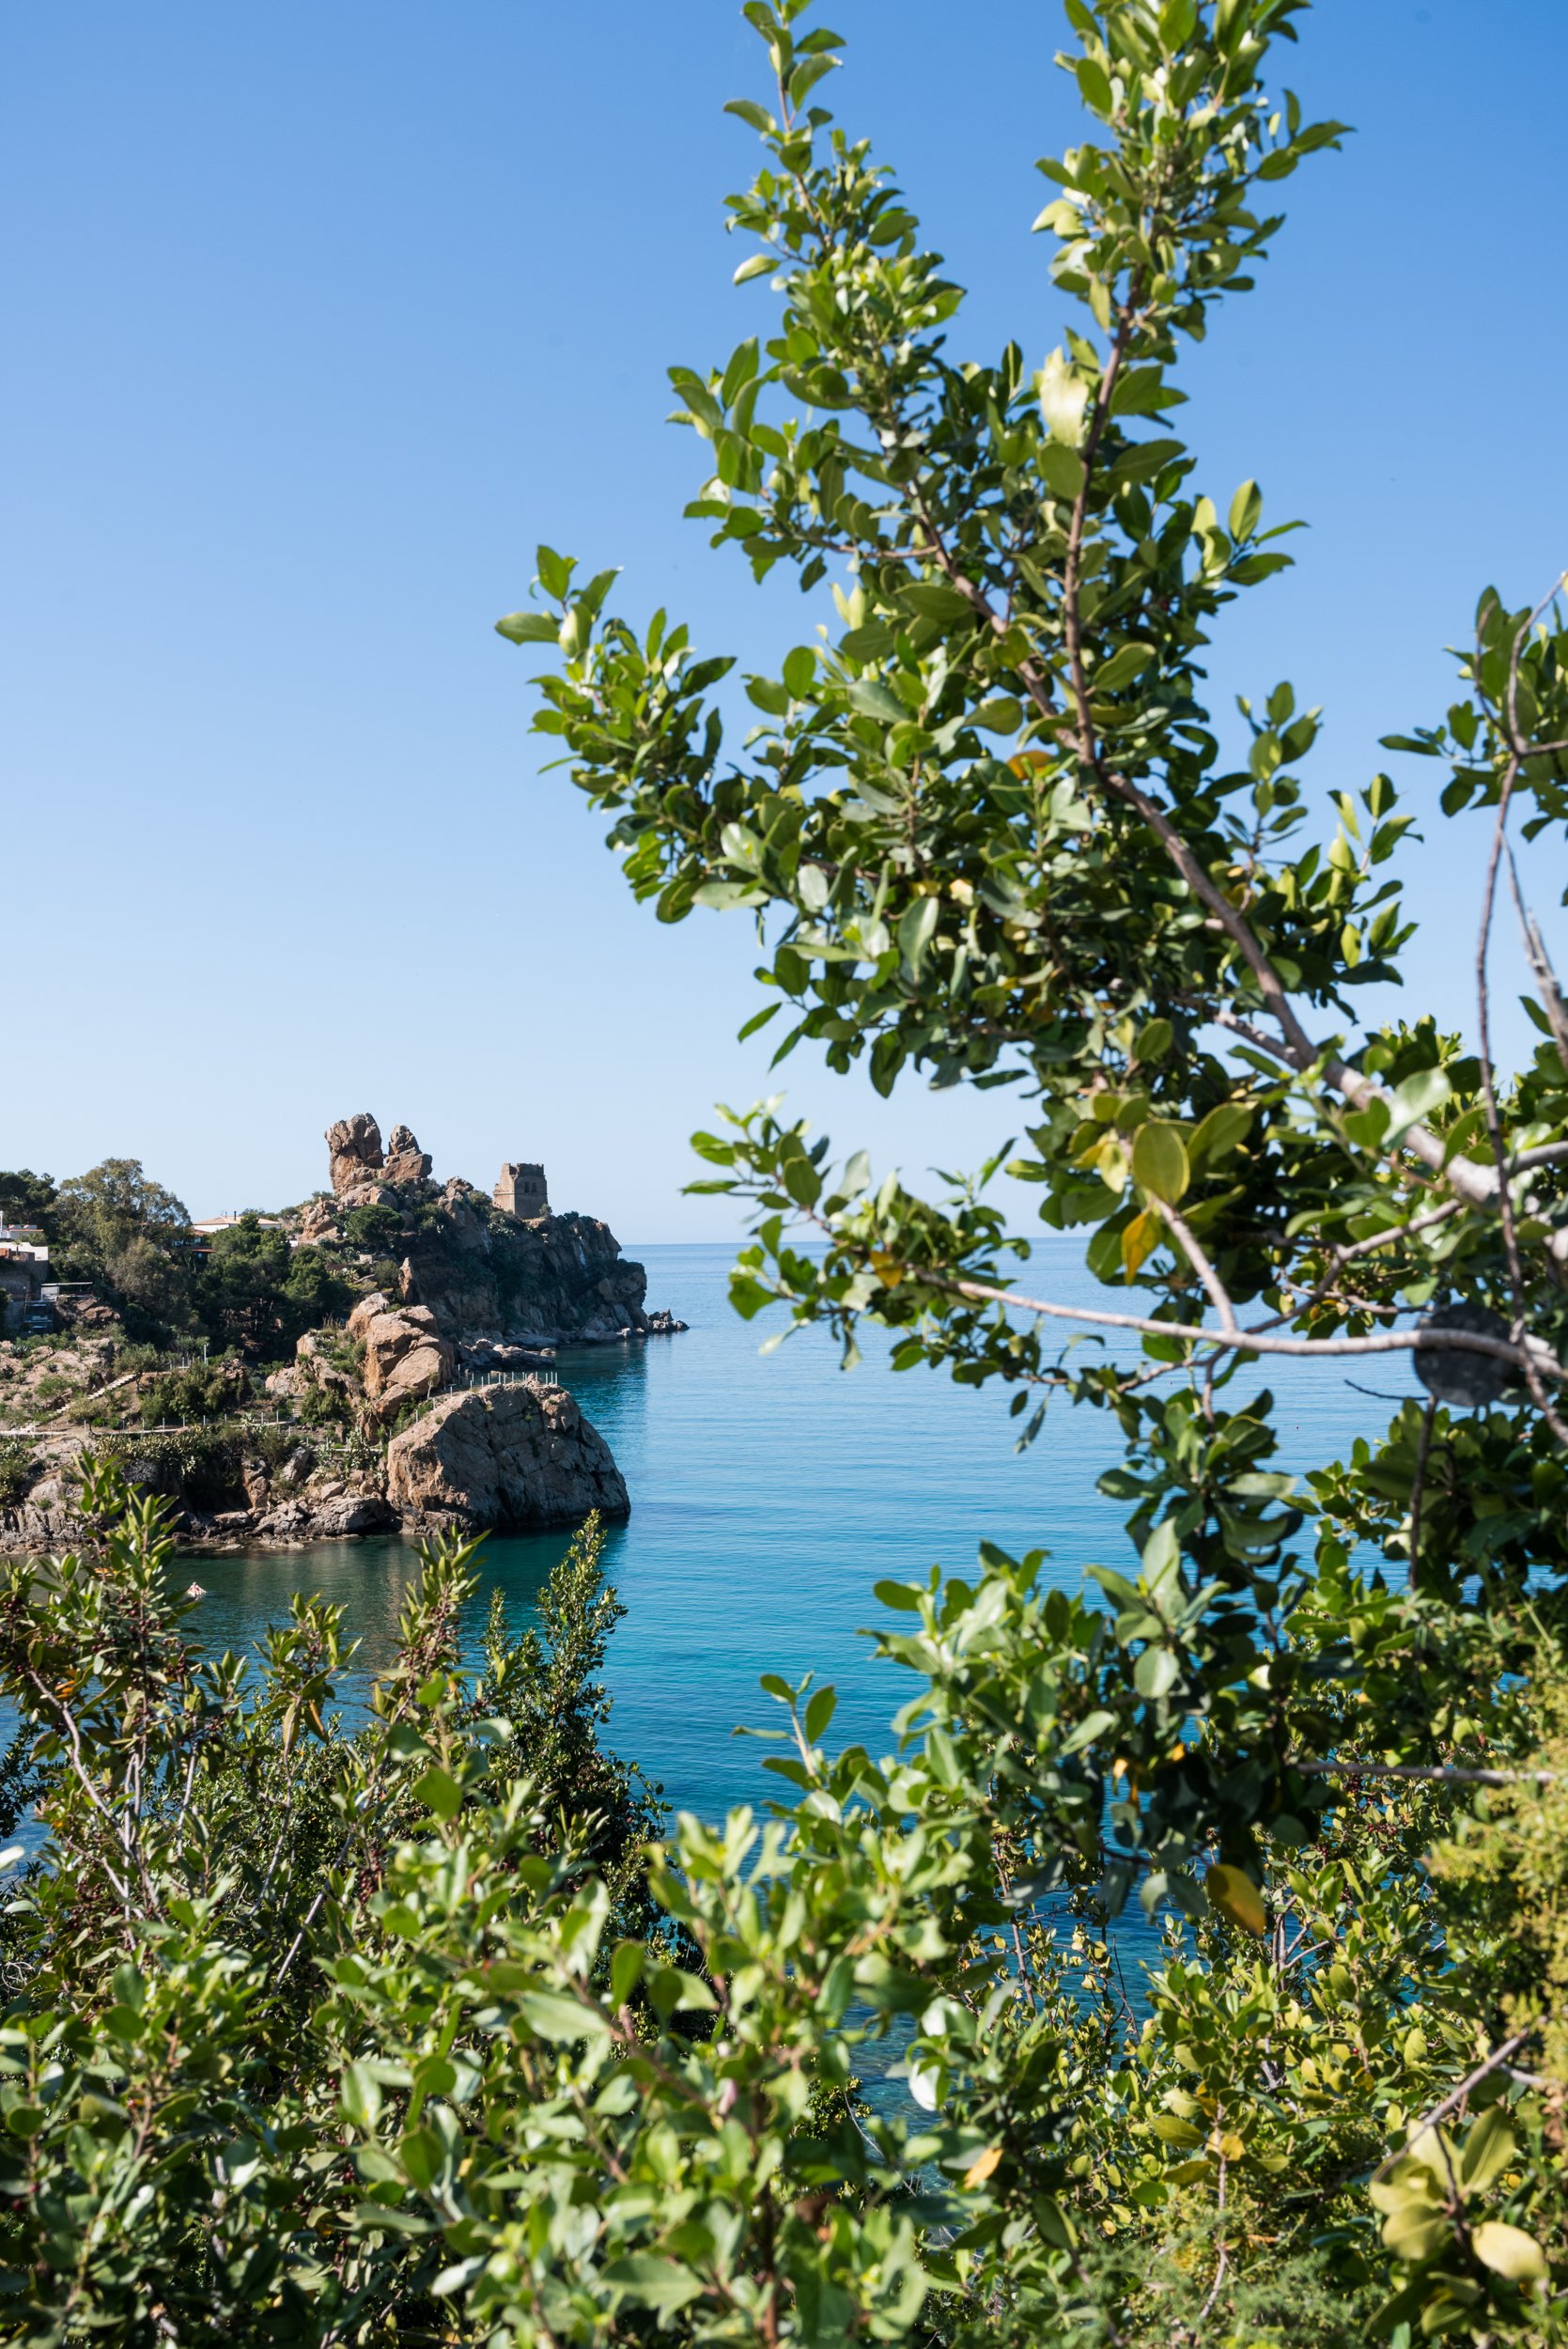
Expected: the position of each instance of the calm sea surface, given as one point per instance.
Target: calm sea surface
(768, 1493)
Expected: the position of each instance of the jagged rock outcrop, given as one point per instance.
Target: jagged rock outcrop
(511, 1459)
(405, 1162)
(319, 1223)
(355, 1155)
(405, 1357)
(491, 1280)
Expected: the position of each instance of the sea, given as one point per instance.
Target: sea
(769, 1491)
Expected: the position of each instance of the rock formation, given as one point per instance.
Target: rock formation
(405, 1162)
(406, 1358)
(355, 1156)
(483, 1285)
(518, 1458)
(491, 1280)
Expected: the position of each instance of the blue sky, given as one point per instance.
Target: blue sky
(318, 318)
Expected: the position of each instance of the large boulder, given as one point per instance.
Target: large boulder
(354, 1152)
(518, 1460)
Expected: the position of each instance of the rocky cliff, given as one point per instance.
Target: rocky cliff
(489, 1281)
(376, 1424)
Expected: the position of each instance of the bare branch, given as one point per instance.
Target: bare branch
(1219, 1295)
(1436, 1774)
(1243, 1341)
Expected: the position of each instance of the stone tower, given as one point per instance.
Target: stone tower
(519, 1190)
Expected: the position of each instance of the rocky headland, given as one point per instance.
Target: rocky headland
(433, 1402)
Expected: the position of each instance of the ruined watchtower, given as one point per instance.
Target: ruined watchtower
(519, 1190)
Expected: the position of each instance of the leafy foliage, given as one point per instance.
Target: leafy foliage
(986, 829)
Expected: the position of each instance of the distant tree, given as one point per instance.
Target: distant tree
(117, 1228)
(26, 1197)
(379, 1230)
(256, 1291)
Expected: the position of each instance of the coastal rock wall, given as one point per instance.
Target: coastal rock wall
(488, 1280)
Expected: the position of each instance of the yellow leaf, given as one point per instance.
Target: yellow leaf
(1237, 1899)
(1509, 2251)
(981, 2166)
(1139, 1241)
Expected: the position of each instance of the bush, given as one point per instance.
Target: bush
(20, 1467)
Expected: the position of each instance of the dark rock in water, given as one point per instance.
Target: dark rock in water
(663, 1325)
(512, 1458)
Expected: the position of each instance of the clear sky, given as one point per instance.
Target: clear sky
(319, 317)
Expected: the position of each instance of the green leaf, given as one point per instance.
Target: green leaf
(820, 1709)
(1064, 398)
(1415, 1100)
(1152, 1043)
(1094, 86)
(555, 2017)
(1124, 665)
(360, 2096)
(1000, 714)
(902, 1595)
(440, 1793)
(800, 672)
(625, 1972)
(1062, 469)
(875, 701)
(1092, 1726)
(530, 627)
(1159, 1161)
(1219, 1133)
(554, 571)
(1156, 1673)
(651, 2282)
(930, 600)
(1489, 2149)
(671, 1991)
(917, 927)
(1246, 510)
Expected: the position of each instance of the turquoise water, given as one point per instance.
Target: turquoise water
(768, 1493)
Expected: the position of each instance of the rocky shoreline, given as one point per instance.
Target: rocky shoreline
(433, 1405)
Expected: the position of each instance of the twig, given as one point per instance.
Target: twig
(1456, 2096)
(1516, 752)
(1540, 963)
(1219, 1295)
(1418, 1490)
